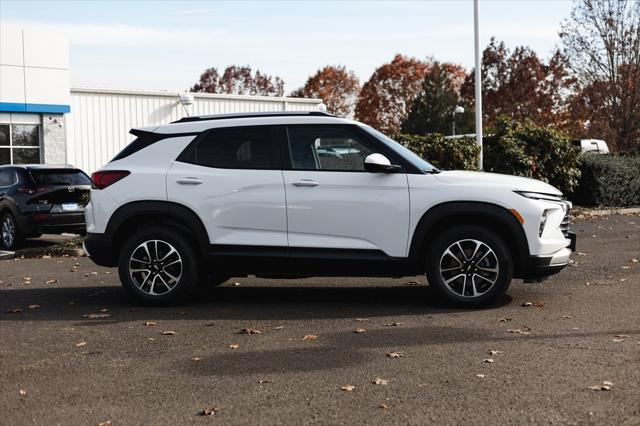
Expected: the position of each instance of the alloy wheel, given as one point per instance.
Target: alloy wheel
(469, 268)
(155, 267)
(8, 231)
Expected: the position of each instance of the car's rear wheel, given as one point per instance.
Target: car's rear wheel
(158, 266)
(10, 236)
(469, 266)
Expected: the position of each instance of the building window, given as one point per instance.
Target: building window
(19, 143)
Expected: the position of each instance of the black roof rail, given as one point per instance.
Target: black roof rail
(252, 115)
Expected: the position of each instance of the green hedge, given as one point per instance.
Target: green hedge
(447, 154)
(524, 149)
(608, 180)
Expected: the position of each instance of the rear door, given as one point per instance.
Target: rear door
(332, 202)
(232, 179)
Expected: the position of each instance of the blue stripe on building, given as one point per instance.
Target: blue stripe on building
(39, 108)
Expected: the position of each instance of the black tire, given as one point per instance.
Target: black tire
(489, 272)
(138, 284)
(10, 236)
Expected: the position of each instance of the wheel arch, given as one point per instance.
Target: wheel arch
(130, 217)
(492, 216)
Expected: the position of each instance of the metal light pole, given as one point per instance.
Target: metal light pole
(478, 79)
(457, 110)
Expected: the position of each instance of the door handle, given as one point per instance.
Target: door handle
(189, 181)
(305, 183)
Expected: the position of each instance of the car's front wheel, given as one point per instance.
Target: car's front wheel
(158, 266)
(469, 266)
(9, 232)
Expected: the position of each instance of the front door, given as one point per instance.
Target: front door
(332, 202)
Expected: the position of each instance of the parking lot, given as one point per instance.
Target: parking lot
(75, 350)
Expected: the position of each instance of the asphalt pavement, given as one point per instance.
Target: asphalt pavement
(74, 349)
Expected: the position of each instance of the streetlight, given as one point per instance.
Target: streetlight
(458, 110)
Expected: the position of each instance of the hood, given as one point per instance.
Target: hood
(458, 177)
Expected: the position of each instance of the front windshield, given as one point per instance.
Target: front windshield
(405, 152)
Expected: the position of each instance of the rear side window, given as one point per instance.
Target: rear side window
(139, 143)
(234, 148)
(60, 177)
(6, 177)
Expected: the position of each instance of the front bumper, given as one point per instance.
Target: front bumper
(539, 267)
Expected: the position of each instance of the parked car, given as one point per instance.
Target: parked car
(38, 199)
(596, 146)
(308, 194)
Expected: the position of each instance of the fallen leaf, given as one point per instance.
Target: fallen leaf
(503, 319)
(209, 411)
(249, 331)
(22, 392)
(96, 316)
(107, 423)
(236, 284)
(395, 354)
(261, 382)
(53, 281)
(495, 353)
(394, 324)
(480, 376)
(196, 359)
(626, 267)
(622, 336)
(361, 319)
(379, 381)
(14, 311)
(566, 316)
(518, 331)
(489, 360)
(169, 333)
(360, 330)
(412, 283)
(605, 386)
(280, 327)
(150, 323)
(634, 260)
(310, 337)
(234, 346)
(525, 304)
(26, 279)
(581, 254)
(383, 406)
(618, 340)
(539, 304)
(34, 306)
(348, 388)
(81, 344)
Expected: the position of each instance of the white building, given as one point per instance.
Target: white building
(44, 120)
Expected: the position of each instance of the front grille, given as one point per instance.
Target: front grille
(566, 221)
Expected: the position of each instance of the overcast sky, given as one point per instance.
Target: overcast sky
(166, 44)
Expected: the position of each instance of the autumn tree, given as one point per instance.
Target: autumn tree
(432, 110)
(386, 99)
(237, 80)
(521, 86)
(602, 41)
(336, 86)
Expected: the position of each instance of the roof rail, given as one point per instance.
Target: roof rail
(252, 115)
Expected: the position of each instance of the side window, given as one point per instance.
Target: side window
(236, 148)
(6, 177)
(328, 148)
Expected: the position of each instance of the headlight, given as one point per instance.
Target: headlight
(543, 222)
(540, 196)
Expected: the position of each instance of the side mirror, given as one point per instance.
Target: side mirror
(378, 163)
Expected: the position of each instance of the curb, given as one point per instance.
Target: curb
(606, 212)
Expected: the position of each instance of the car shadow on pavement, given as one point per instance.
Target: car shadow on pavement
(226, 303)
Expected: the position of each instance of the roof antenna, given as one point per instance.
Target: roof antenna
(186, 99)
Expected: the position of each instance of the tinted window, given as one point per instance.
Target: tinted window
(6, 177)
(327, 148)
(60, 177)
(238, 148)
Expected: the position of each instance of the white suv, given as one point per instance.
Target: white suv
(308, 194)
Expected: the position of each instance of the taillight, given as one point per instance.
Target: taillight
(101, 180)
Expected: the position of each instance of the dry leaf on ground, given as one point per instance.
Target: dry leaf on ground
(53, 281)
(395, 354)
(34, 306)
(150, 323)
(81, 344)
(495, 353)
(361, 319)
(168, 333)
(394, 324)
(348, 388)
(489, 360)
(234, 346)
(605, 386)
(360, 330)
(379, 381)
(22, 392)
(209, 411)
(518, 331)
(480, 376)
(249, 331)
(310, 337)
(196, 359)
(280, 327)
(14, 311)
(96, 316)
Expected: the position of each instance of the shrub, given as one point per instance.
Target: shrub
(447, 154)
(524, 149)
(609, 180)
